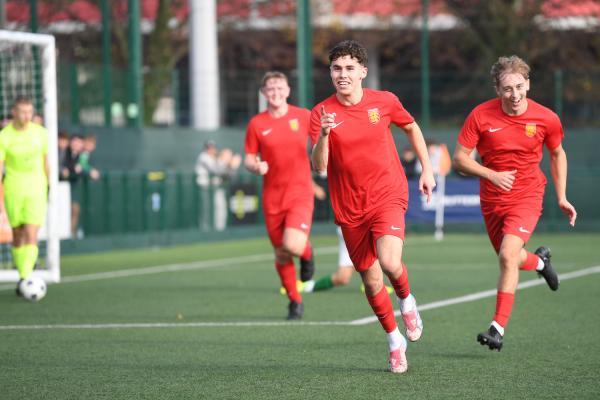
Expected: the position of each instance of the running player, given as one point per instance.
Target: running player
(24, 191)
(509, 133)
(369, 192)
(276, 147)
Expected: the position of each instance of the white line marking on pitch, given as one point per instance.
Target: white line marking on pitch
(171, 325)
(221, 262)
(356, 322)
(191, 266)
(484, 294)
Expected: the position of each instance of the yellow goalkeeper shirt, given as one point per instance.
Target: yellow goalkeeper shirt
(23, 153)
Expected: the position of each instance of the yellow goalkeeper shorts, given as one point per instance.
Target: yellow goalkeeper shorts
(25, 208)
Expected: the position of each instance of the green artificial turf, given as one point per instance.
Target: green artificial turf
(551, 348)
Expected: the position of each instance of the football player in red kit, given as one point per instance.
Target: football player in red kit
(509, 132)
(352, 140)
(276, 148)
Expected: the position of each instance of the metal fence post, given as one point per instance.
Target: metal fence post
(74, 93)
(106, 196)
(558, 92)
(125, 199)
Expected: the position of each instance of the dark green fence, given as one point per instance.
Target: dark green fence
(157, 201)
(146, 202)
(130, 202)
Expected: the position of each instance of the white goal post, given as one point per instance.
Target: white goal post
(26, 43)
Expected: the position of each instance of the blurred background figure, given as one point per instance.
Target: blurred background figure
(63, 151)
(439, 156)
(213, 169)
(229, 163)
(206, 165)
(89, 145)
(73, 174)
(408, 159)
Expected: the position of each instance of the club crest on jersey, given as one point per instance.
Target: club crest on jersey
(530, 130)
(374, 116)
(294, 124)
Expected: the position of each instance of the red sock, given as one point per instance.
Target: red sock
(401, 285)
(383, 309)
(531, 262)
(504, 304)
(287, 274)
(307, 254)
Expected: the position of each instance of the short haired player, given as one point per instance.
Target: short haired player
(369, 191)
(276, 148)
(24, 190)
(510, 132)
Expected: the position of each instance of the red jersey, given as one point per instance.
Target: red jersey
(282, 143)
(363, 170)
(507, 142)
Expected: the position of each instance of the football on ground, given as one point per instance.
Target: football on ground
(33, 289)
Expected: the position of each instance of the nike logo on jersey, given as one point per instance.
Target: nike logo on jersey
(336, 125)
(266, 132)
(492, 130)
(521, 229)
(395, 228)
(303, 226)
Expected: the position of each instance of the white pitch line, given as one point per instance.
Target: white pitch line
(196, 265)
(222, 262)
(484, 294)
(170, 325)
(356, 322)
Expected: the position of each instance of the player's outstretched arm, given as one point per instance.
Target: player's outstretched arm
(415, 137)
(255, 165)
(558, 168)
(463, 163)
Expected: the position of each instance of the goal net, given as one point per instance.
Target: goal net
(28, 68)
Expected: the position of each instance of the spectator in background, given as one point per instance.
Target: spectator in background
(206, 164)
(439, 157)
(74, 172)
(408, 158)
(63, 151)
(212, 169)
(229, 162)
(89, 145)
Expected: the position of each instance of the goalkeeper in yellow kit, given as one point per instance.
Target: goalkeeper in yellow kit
(24, 189)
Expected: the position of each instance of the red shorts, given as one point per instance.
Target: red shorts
(361, 240)
(297, 217)
(518, 220)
